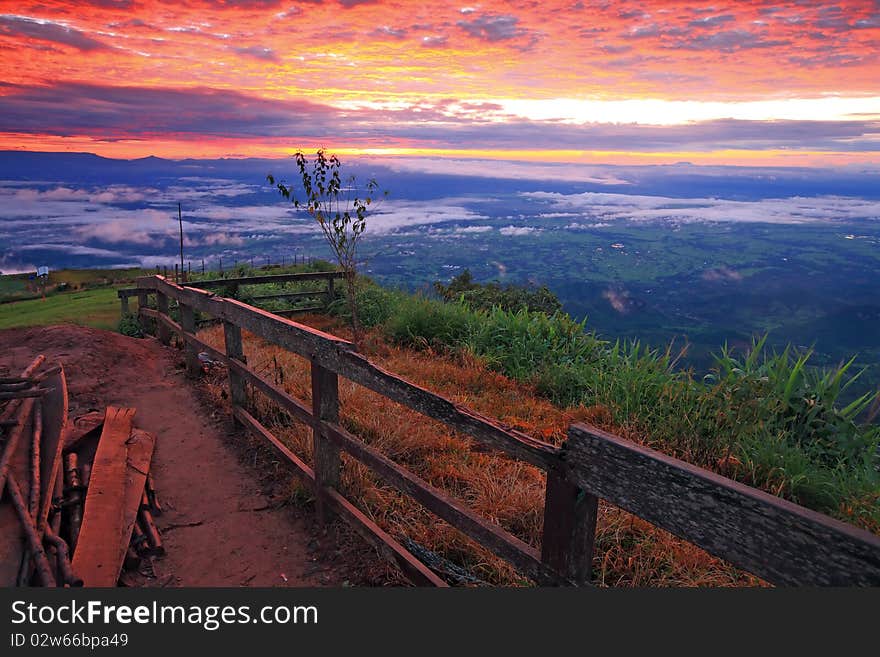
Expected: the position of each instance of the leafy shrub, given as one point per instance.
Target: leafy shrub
(486, 296)
(128, 325)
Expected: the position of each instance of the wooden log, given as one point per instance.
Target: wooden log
(30, 393)
(521, 555)
(35, 545)
(54, 418)
(74, 498)
(37, 431)
(152, 496)
(234, 351)
(779, 541)
(12, 407)
(325, 406)
(139, 541)
(97, 557)
(63, 556)
(154, 540)
(11, 445)
(569, 529)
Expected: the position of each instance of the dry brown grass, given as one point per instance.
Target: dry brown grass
(629, 551)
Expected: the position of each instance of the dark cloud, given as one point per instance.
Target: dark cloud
(435, 41)
(494, 27)
(257, 52)
(20, 26)
(727, 41)
(712, 21)
(354, 3)
(114, 112)
(242, 4)
(393, 32)
(108, 113)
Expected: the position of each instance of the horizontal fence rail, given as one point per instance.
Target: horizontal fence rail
(772, 538)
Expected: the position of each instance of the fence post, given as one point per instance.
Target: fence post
(329, 289)
(188, 324)
(569, 529)
(162, 329)
(123, 303)
(143, 320)
(234, 350)
(327, 462)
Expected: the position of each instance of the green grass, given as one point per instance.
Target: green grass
(98, 308)
(769, 419)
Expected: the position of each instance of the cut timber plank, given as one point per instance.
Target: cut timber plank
(140, 453)
(54, 408)
(97, 550)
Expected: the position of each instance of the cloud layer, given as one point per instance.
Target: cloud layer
(649, 78)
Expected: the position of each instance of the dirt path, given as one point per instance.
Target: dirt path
(219, 527)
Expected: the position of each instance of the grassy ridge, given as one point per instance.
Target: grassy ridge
(765, 418)
(98, 308)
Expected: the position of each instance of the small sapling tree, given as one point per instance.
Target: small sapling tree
(340, 210)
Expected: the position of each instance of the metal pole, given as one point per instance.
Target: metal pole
(180, 220)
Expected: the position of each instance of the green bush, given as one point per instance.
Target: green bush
(128, 325)
(486, 296)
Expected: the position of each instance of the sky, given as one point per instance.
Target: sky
(745, 82)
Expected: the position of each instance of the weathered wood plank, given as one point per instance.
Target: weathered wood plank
(569, 529)
(142, 316)
(357, 368)
(290, 404)
(263, 280)
(303, 340)
(162, 329)
(296, 464)
(298, 311)
(97, 549)
(772, 538)
(417, 572)
(325, 406)
(290, 295)
(337, 355)
(191, 356)
(507, 546)
(139, 455)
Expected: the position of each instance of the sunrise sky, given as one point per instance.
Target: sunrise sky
(724, 82)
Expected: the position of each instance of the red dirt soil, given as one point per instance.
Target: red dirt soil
(220, 526)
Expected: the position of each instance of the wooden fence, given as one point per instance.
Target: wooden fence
(774, 539)
(231, 285)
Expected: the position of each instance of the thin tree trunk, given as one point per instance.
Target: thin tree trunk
(352, 306)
